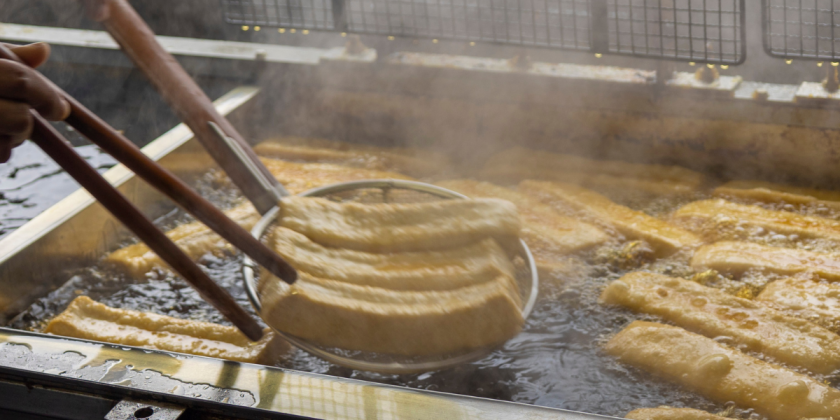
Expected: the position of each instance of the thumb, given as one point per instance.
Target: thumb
(33, 54)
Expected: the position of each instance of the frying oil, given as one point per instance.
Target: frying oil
(556, 361)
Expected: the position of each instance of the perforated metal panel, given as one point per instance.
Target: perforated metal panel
(692, 30)
(802, 28)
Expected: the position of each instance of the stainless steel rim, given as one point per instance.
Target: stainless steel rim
(249, 269)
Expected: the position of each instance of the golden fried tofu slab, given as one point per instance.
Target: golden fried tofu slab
(670, 413)
(803, 297)
(737, 257)
(521, 159)
(300, 177)
(713, 313)
(194, 238)
(664, 237)
(768, 192)
(722, 374)
(337, 314)
(710, 218)
(400, 227)
(414, 162)
(547, 232)
(449, 269)
(197, 240)
(90, 320)
(518, 164)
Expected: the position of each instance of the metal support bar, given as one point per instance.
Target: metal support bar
(599, 26)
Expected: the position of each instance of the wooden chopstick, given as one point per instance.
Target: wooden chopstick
(186, 98)
(122, 149)
(51, 141)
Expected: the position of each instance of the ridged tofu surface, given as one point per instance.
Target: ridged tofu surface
(713, 313)
(722, 374)
(400, 227)
(805, 298)
(708, 217)
(332, 313)
(547, 233)
(769, 192)
(414, 162)
(664, 237)
(90, 320)
(453, 268)
(517, 164)
(737, 257)
(670, 413)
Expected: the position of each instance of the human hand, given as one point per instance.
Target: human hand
(22, 88)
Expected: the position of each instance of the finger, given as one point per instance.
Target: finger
(15, 122)
(33, 54)
(97, 9)
(18, 82)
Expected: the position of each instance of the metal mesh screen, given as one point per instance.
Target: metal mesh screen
(802, 28)
(701, 30)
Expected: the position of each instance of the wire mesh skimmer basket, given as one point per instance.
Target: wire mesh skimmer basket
(391, 191)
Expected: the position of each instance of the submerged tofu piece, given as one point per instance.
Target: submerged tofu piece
(722, 374)
(197, 240)
(710, 217)
(805, 298)
(548, 233)
(414, 162)
(194, 238)
(769, 192)
(670, 413)
(90, 320)
(412, 323)
(522, 162)
(713, 313)
(737, 257)
(400, 227)
(426, 270)
(664, 237)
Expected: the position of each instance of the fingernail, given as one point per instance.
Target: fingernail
(67, 109)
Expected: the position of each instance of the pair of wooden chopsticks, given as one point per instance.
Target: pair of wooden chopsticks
(100, 133)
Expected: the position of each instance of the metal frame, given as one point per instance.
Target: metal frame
(833, 27)
(622, 27)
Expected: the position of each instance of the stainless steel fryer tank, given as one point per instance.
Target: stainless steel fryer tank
(465, 106)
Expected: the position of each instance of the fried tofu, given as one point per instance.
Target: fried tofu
(665, 238)
(411, 323)
(518, 164)
(400, 227)
(710, 218)
(722, 374)
(768, 192)
(197, 240)
(414, 162)
(194, 238)
(300, 177)
(549, 234)
(714, 313)
(90, 320)
(449, 269)
(670, 413)
(804, 298)
(737, 257)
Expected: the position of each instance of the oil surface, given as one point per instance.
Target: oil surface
(555, 362)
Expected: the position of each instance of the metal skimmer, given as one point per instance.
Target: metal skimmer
(708, 31)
